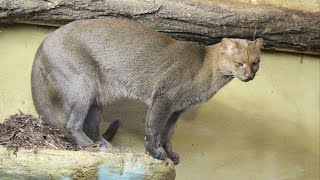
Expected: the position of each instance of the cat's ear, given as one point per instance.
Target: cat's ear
(227, 45)
(259, 43)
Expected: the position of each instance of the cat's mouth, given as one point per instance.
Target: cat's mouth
(230, 74)
(246, 79)
(241, 78)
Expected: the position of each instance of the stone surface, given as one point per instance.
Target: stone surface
(60, 164)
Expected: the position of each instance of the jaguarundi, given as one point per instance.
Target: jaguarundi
(90, 63)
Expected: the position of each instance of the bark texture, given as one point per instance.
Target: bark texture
(204, 21)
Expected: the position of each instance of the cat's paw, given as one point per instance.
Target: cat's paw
(158, 153)
(104, 146)
(98, 146)
(105, 142)
(174, 157)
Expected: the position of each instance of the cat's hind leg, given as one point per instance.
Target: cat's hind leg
(91, 125)
(77, 95)
(76, 112)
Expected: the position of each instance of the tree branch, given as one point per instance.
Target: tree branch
(196, 20)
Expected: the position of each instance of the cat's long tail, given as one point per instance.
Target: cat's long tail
(111, 131)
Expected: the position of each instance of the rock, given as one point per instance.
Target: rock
(63, 164)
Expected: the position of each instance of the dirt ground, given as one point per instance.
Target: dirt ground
(29, 132)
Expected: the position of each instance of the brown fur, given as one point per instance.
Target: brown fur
(90, 63)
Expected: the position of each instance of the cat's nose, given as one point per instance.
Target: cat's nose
(249, 76)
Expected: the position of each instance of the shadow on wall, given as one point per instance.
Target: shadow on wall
(131, 114)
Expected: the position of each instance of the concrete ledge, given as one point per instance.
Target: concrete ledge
(61, 164)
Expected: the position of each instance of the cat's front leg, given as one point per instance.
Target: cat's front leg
(167, 134)
(157, 116)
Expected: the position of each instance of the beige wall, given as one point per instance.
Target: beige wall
(18, 45)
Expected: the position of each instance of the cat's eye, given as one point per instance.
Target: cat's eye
(239, 64)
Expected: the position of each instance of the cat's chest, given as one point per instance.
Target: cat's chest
(201, 93)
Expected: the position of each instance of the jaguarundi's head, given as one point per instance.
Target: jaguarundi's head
(240, 57)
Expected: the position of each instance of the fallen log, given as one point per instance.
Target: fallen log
(62, 164)
(203, 21)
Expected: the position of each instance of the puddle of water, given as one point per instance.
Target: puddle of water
(265, 129)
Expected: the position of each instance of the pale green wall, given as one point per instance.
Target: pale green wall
(18, 45)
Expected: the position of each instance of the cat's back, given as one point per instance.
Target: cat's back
(121, 52)
(119, 43)
(113, 34)
(121, 46)
(111, 40)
